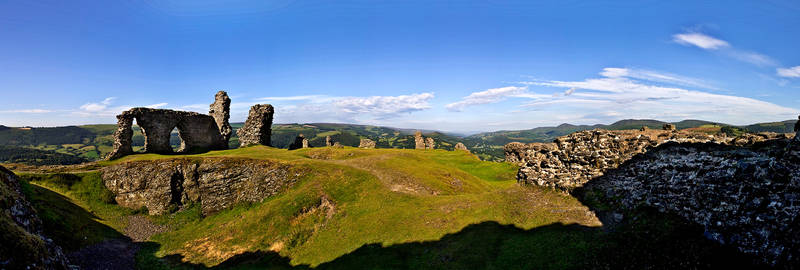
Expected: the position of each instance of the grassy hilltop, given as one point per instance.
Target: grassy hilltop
(368, 208)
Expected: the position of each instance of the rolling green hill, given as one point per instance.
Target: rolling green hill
(374, 209)
(93, 142)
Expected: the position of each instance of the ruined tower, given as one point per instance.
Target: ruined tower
(258, 127)
(221, 111)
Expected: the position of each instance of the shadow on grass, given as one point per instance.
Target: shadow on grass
(657, 242)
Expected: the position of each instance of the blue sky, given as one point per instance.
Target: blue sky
(461, 66)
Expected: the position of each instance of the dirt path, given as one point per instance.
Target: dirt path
(109, 254)
(117, 253)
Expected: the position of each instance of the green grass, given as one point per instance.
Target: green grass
(379, 209)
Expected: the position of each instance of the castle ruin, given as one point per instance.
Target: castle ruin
(198, 132)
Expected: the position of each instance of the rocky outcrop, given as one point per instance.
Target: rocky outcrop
(668, 127)
(214, 183)
(198, 132)
(745, 197)
(573, 159)
(419, 141)
(366, 143)
(461, 146)
(328, 141)
(221, 111)
(299, 142)
(257, 130)
(23, 244)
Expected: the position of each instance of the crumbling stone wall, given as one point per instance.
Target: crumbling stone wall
(461, 146)
(430, 143)
(214, 183)
(221, 111)
(571, 160)
(745, 197)
(198, 132)
(299, 142)
(258, 127)
(366, 143)
(123, 137)
(419, 141)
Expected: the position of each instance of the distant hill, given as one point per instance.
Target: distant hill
(92, 142)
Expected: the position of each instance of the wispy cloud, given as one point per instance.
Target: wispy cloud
(99, 106)
(710, 43)
(700, 40)
(157, 105)
(656, 76)
(311, 98)
(793, 72)
(617, 94)
(385, 105)
(493, 95)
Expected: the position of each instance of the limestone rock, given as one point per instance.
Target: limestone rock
(337, 145)
(366, 143)
(745, 197)
(461, 146)
(644, 128)
(419, 141)
(429, 143)
(328, 141)
(24, 245)
(215, 183)
(258, 127)
(668, 127)
(299, 142)
(221, 111)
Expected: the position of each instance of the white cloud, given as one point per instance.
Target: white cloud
(627, 96)
(752, 58)
(710, 43)
(793, 72)
(384, 106)
(311, 98)
(96, 107)
(700, 40)
(157, 105)
(493, 95)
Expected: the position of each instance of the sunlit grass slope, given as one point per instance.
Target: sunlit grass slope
(352, 198)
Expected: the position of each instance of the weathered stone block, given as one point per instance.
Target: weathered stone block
(258, 127)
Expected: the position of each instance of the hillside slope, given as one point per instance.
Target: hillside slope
(368, 208)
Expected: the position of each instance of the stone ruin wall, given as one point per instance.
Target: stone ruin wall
(198, 132)
(257, 130)
(743, 191)
(746, 197)
(572, 160)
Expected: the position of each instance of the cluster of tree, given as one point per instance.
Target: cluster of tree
(15, 154)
